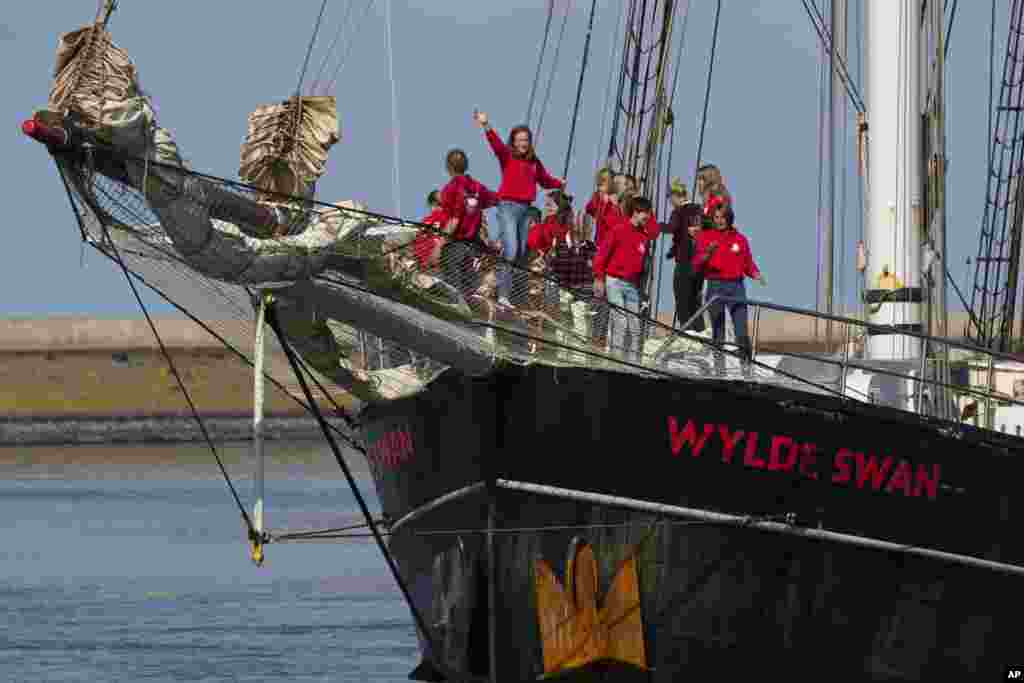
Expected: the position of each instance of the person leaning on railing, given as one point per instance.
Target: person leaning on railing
(723, 256)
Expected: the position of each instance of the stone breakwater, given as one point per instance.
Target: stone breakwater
(153, 429)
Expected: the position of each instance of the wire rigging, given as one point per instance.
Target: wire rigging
(579, 88)
(251, 530)
(330, 50)
(598, 161)
(540, 61)
(707, 91)
(421, 623)
(949, 30)
(554, 72)
(348, 49)
(309, 50)
(396, 174)
(823, 34)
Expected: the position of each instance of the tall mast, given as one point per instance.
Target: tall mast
(895, 208)
(837, 113)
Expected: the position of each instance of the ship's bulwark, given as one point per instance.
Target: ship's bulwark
(713, 598)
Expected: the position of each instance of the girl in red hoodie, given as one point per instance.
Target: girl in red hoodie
(544, 236)
(601, 207)
(723, 256)
(521, 173)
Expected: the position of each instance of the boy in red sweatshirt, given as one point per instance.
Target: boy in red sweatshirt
(723, 256)
(521, 173)
(427, 245)
(618, 274)
(463, 199)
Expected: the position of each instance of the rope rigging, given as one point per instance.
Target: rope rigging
(670, 122)
(309, 50)
(598, 161)
(707, 92)
(540, 61)
(554, 72)
(613, 148)
(579, 88)
(949, 27)
(253, 536)
(330, 50)
(421, 622)
(396, 174)
(348, 50)
(826, 39)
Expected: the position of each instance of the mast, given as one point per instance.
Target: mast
(894, 213)
(836, 113)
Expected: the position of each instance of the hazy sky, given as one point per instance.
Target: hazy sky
(209, 64)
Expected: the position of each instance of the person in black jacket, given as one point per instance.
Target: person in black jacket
(685, 223)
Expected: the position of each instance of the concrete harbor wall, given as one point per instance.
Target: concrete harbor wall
(151, 429)
(74, 334)
(71, 379)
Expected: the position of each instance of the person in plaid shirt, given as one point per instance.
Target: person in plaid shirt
(572, 264)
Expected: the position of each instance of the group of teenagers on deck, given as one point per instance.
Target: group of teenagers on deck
(596, 257)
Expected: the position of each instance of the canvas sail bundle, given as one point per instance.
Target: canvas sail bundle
(90, 72)
(286, 145)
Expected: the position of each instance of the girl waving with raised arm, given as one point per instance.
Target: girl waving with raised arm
(521, 173)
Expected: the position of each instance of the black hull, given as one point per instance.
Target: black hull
(714, 596)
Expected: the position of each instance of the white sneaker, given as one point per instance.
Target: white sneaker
(503, 301)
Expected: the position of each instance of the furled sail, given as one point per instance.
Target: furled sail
(286, 145)
(90, 72)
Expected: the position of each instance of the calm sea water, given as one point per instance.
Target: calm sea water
(130, 564)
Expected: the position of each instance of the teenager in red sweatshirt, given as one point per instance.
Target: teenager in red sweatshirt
(521, 173)
(601, 208)
(618, 274)
(723, 256)
(557, 222)
(463, 199)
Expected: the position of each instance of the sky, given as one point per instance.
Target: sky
(208, 64)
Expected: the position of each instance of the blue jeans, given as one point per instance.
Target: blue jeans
(512, 232)
(737, 311)
(624, 295)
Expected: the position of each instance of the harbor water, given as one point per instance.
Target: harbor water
(130, 564)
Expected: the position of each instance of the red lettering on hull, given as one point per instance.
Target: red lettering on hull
(779, 462)
(729, 442)
(688, 436)
(391, 450)
(856, 469)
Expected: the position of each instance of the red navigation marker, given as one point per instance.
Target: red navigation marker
(48, 135)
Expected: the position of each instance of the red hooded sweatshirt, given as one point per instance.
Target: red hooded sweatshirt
(623, 251)
(426, 240)
(713, 202)
(519, 177)
(465, 198)
(544, 235)
(605, 213)
(731, 261)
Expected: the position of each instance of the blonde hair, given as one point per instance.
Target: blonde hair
(712, 178)
(603, 174)
(678, 188)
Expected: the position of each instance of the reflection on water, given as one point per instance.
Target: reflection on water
(131, 564)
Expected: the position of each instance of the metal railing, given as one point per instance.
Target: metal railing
(924, 384)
